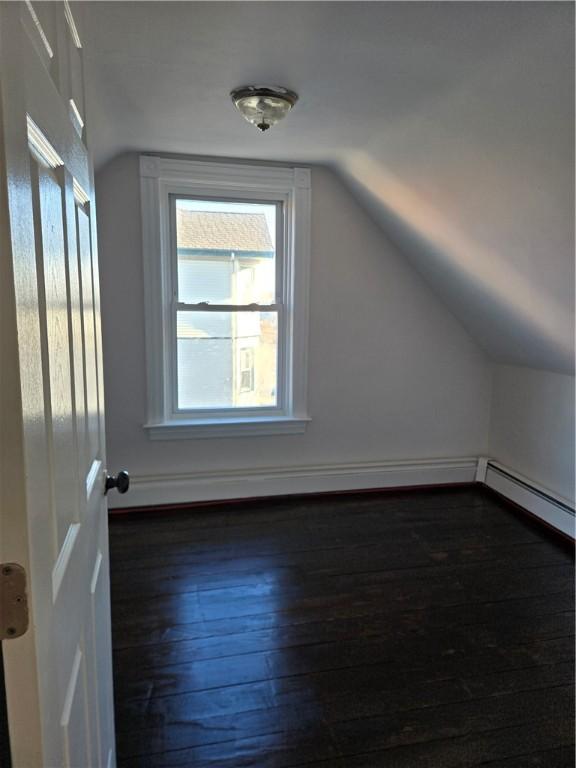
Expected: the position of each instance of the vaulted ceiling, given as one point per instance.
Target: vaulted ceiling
(452, 122)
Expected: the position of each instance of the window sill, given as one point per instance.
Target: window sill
(199, 428)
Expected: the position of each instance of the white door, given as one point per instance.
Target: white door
(52, 477)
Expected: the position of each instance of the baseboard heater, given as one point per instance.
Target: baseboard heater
(551, 509)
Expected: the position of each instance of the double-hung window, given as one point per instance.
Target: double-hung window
(226, 263)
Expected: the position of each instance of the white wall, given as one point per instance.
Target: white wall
(392, 374)
(532, 426)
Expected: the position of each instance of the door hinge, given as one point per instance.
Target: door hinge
(13, 601)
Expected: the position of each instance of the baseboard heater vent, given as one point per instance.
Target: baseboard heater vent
(553, 510)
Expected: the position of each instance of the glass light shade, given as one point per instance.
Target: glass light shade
(263, 106)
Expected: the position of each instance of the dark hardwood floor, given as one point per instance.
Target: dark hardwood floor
(424, 629)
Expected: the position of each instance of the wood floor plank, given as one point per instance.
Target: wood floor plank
(184, 724)
(528, 628)
(473, 749)
(484, 579)
(562, 757)
(309, 748)
(453, 720)
(203, 675)
(442, 534)
(367, 690)
(467, 613)
(249, 512)
(373, 565)
(432, 628)
(417, 592)
(278, 750)
(196, 546)
(374, 732)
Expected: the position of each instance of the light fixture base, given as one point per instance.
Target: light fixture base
(263, 105)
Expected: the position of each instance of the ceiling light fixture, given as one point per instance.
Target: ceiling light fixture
(263, 105)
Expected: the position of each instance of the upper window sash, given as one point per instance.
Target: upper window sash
(289, 188)
(282, 234)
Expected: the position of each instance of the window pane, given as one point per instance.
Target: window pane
(227, 359)
(226, 252)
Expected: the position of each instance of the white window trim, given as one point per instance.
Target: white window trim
(161, 177)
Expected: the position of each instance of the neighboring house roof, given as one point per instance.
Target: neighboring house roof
(186, 330)
(215, 231)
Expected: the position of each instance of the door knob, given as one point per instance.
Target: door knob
(121, 481)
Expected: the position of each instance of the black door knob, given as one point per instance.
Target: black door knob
(121, 481)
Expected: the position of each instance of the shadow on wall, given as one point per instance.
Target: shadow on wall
(506, 312)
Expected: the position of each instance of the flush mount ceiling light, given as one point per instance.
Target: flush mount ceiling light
(263, 105)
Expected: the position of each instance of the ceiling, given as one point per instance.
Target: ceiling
(452, 123)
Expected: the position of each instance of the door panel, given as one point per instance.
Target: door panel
(53, 517)
(75, 734)
(83, 225)
(75, 331)
(52, 292)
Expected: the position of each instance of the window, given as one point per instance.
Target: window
(226, 252)
(229, 304)
(246, 377)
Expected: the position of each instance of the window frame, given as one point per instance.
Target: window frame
(278, 307)
(162, 181)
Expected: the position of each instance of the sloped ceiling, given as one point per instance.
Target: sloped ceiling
(452, 122)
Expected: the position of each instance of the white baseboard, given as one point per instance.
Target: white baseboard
(541, 502)
(151, 490)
